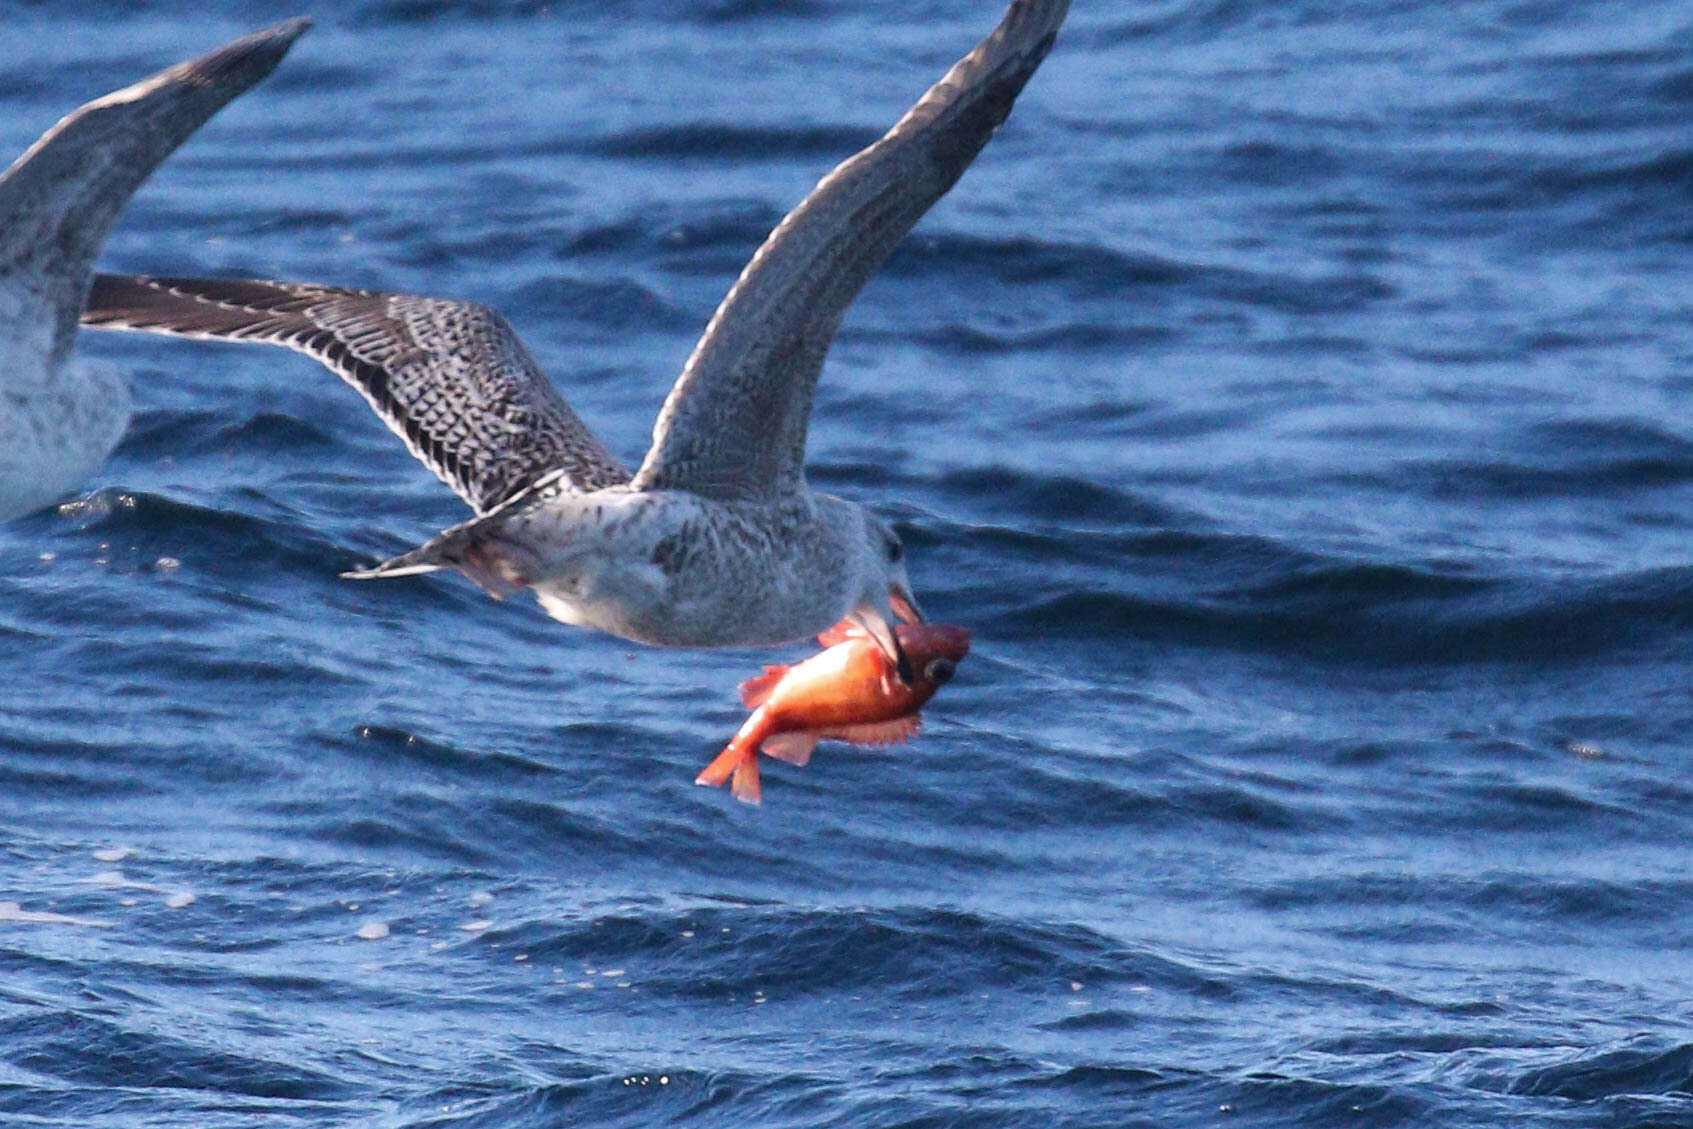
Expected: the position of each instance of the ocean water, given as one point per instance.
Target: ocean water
(1296, 399)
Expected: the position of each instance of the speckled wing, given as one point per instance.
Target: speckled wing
(734, 425)
(59, 199)
(452, 379)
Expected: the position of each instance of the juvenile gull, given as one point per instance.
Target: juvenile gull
(60, 418)
(715, 539)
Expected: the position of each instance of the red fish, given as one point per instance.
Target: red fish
(849, 692)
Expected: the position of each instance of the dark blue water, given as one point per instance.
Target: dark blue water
(1297, 400)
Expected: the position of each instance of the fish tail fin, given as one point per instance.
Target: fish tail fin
(717, 773)
(738, 762)
(743, 784)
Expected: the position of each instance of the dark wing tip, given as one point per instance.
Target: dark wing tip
(244, 61)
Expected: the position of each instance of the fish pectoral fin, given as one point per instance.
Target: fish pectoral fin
(878, 732)
(795, 748)
(755, 690)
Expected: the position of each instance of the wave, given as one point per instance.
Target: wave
(1568, 457)
(975, 340)
(1393, 615)
(1052, 498)
(90, 1051)
(1393, 909)
(162, 436)
(616, 306)
(148, 528)
(1645, 1066)
(1085, 271)
(1271, 1098)
(731, 141)
(723, 953)
(403, 13)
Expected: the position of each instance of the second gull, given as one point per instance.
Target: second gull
(61, 417)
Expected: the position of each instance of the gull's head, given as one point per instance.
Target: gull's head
(884, 597)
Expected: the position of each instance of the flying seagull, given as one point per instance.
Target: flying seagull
(59, 418)
(715, 539)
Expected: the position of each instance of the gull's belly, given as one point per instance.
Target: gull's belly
(684, 578)
(643, 604)
(55, 431)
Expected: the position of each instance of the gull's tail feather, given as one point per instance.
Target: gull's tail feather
(498, 565)
(406, 564)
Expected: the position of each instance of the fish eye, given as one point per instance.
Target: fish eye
(940, 670)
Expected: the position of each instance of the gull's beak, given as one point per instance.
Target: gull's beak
(875, 622)
(904, 606)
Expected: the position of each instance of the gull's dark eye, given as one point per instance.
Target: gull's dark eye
(940, 670)
(895, 550)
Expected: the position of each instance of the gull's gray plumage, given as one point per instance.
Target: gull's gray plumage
(716, 539)
(734, 425)
(449, 378)
(57, 203)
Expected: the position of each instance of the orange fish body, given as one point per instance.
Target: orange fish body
(849, 692)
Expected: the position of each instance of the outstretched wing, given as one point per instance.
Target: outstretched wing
(59, 199)
(450, 378)
(734, 425)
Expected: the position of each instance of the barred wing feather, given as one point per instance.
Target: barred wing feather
(451, 379)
